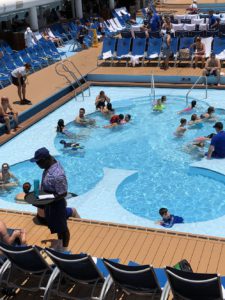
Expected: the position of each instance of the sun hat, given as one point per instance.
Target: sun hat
(41, 153)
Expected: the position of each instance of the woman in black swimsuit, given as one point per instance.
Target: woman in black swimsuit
(100, 100)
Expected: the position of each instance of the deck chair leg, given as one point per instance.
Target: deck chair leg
(51, 280)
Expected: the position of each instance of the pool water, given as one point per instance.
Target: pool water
(148, 146)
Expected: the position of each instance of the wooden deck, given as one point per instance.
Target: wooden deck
(143, 245)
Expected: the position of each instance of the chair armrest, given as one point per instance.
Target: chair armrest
(166, 291)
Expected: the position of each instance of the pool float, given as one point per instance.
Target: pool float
(159, 108)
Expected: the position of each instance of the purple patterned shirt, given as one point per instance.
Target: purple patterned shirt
(54, 180)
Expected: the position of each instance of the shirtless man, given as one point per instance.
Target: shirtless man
(5, 116)
(213, 67)
(82, 120)
(10, 239)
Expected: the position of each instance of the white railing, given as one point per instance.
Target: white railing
(152, 94)
(193, 86)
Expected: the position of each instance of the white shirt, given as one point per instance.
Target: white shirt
(20, 70)
(29, 40)
(194, 6)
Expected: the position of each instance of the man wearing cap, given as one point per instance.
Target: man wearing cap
(217, 146)
(213, 67)
(54, 182)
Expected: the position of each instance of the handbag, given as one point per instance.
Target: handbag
(184, 53)
(183, 265)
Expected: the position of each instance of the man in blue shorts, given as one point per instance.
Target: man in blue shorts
(217, 146)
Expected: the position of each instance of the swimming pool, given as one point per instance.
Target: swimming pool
(146, 165)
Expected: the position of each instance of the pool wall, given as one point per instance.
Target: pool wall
(92, 205)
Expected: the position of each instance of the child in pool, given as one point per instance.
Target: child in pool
(159, 107)
(126, 119)
(195, 120)
(189, 108)
(61, 128)
(168, 220)
(73, 146)
(181, 128)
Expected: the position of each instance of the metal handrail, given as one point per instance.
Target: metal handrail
(72, 74)
(206, 87)
(152, 87)
(78, 71)
(67, 78)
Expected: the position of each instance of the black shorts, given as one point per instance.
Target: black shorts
(15, 80)
(213, 73)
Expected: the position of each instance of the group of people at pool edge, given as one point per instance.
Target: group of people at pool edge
(54, 180)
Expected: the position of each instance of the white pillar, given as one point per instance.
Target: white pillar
(33, 18)
(111, 4)
(79, 9)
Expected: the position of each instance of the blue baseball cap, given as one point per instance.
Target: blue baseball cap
(41, 153)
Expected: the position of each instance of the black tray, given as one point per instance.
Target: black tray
(32, 199)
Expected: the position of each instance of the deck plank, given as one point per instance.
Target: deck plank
(214, 259)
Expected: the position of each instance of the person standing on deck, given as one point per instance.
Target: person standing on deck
(54, 182)
(19, 76)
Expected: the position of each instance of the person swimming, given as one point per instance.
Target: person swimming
(195, 122)
(126, 119)
(181, 128)
(72, 146)
(61, 128)
(7, 179)
(209, 115)
(159, 107)
(189, 108)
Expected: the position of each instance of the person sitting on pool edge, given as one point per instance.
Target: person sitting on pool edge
(6, 177)
(189, 108)
(82, 120)
(168, 220)
(7, 113)
(181, 128)
(217, 146)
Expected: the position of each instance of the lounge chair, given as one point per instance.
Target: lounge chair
(137, 280)
(185, 43)
(192, 286)
(123, 50)
(79, 269)
(219, 48)
(138, 49)
(24, 263)
(108, 49)
(154, 49)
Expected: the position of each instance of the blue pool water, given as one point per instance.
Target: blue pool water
(148, 146)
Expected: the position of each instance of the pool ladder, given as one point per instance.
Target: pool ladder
(193, 86)
(152, 93)
(69, 68)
